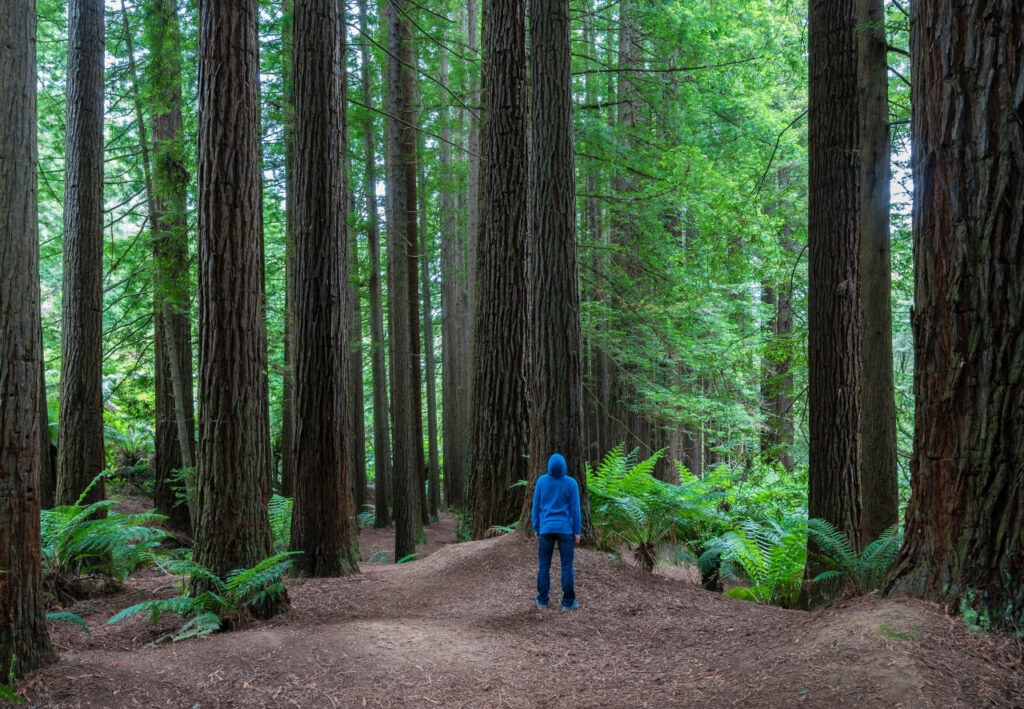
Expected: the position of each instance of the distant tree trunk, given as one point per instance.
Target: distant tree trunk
(356, 403)
(833, 316)
(234, 429)
(321, 530)
(80, 456)
(556, 414)
(402, 290)
(287, 485)
(501, 334)
(879, 484)
(23, 636)
(434, 465)
(453, 278)
(47, 451)
(965, 522)
(381, 436)
(167, 187)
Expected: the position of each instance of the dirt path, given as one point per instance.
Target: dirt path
(458, 629)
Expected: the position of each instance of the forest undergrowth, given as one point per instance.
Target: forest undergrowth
(456, 625)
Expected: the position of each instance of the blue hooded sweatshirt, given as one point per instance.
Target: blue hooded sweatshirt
(556, 501)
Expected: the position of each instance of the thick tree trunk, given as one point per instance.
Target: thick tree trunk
(234, 461)
(80, 455)
(468, 297)
(556, 413)
(833, 316)
(287, 484)
(965, 522)
(501, 333)
(321, 529)
(168, 192)
(23, 637)
(355, 402)
(402, 290)
(381, 436)
(879, 485)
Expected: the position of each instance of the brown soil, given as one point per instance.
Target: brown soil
(458, 628)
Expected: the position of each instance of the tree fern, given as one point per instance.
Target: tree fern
(279, 509)
(863, 572)
(771, 555)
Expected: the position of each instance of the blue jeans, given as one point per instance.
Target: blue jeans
(566, 551)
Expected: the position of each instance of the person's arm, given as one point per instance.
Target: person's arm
(535, 508)
(574, 510)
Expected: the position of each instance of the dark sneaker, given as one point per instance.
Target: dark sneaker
(542, 606)
(569, 609)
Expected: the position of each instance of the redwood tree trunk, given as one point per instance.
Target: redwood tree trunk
(833, 317)
(175, 408)
(433, 498)
(23, 635)
(321, 529)
(402, 285)
(233, 530)
(556, 421)
(381, 436)
(80, 455)
(879, 485)
(501, 335)
(287, 486)
(965, 522)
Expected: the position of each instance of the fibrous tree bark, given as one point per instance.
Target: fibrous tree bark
(287, 484)
(556, 413)
(321, 530)
(879, 486)
(403, 292)
(167, 185)
(381, 426)
(500, 408)
(80, 456)
(833, 311)
(24, 642)
(233, 530)
(965, 522)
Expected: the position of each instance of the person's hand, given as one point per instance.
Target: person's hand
(576, 539)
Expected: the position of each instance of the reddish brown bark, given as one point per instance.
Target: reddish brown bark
(23, 637)
(965, 522)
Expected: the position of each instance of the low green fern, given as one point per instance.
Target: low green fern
(770, 555)
(279, 509)
(75, 544)
(862, 572)
(224, 602)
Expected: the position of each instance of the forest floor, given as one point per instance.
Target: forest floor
(458, 628)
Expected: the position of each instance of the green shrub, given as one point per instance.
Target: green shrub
(75, 544)
(632, 507)
(770, 556)
(225, 601)
(861, 572)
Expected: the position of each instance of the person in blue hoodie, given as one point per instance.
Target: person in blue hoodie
(556, 520)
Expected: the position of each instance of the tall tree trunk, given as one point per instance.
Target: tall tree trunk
(80, 457)
(233, 530)
(356, 421)
(556, 413)
(501, 334)
(287, 485)
(472, 238)
(321, 529)
(879, 485)
(402, 290)
(965, 522)
(381, 436)
(167, 190)
(434, 465)
(833, 317)
(452, 283)
(23, 637)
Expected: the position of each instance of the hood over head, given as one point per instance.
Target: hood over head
(556, 466)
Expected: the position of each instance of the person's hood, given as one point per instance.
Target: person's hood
(556, 466)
